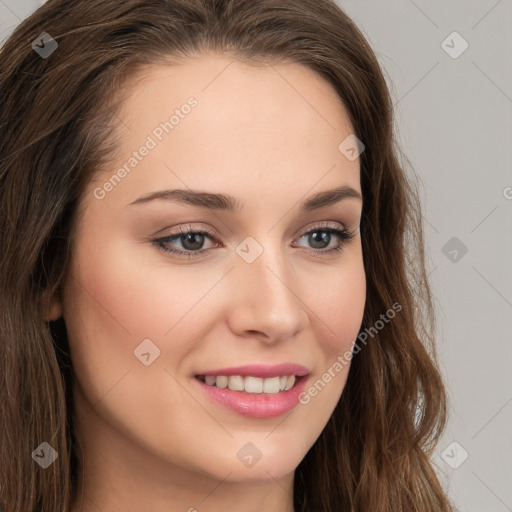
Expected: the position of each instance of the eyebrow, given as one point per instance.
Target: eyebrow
(228, 203)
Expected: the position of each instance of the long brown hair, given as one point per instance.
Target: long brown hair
(56, 130)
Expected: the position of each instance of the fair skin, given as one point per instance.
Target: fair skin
(151, 439)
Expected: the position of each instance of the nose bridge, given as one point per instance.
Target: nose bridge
(270, 277)
(265, 299)
(271, 267)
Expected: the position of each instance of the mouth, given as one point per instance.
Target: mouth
(252, 396)
(251, 384)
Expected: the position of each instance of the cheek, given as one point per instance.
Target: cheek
(341, 307)
(115, 299)
(112, 302)
(340, 313)
(128, 298)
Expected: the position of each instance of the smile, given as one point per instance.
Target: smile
(254, 397)
(249, 384)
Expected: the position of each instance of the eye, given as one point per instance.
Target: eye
(320, 237)
(192, 241)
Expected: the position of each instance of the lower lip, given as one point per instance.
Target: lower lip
(256, 405)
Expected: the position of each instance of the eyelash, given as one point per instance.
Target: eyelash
(343, 234)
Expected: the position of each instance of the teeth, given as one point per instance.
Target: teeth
(222, 382)
(236, 383)
(290, 382)
(210, 380)
(270, 386)
(255, 385)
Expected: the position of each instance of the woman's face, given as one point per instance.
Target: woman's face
(258, 284)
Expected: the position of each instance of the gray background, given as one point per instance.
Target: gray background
(453, 118)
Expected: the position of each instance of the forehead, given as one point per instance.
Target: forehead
(232, 95)
(252, 125)
(212, 73)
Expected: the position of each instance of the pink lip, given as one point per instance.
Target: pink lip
(255, 405)
(260, 370)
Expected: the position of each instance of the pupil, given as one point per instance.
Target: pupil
(320, 237)
(191, 239)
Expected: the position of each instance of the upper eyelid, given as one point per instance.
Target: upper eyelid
(345, 233)
(215, 240)
(212, 233)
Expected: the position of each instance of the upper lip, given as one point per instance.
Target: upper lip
(260, 370)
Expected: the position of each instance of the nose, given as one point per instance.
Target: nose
(266, 300)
